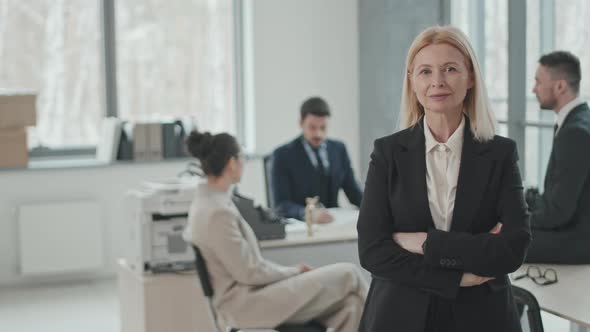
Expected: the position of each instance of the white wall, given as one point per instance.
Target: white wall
(301, 48)
(304, 48)
(106, 185)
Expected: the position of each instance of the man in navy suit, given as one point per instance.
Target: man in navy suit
(312, 165)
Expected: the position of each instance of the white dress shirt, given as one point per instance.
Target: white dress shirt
(565, 111)
(442, 171)
(323, 152)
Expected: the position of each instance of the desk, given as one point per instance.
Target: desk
(330, 243)
(342, 229)
(175, 302)
(569, 298)
(161, 302)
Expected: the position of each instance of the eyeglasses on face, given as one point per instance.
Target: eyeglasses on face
(547, 277)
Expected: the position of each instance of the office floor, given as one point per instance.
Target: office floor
(82, 306)
(92, 307)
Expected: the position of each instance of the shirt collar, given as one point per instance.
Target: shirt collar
(220, 196)
(566, 110)
(454, 143)
(308, 146)
(322, 151)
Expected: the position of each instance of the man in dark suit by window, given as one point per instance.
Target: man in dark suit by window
(312, 165)
(560, 216)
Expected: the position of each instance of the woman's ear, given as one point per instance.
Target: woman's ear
(231, 164)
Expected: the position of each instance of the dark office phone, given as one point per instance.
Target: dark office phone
(265, 223)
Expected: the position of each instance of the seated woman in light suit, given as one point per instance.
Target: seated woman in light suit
(251, 291)
(443, 219)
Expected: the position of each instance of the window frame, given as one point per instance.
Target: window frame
(517, 99)
(109, 62)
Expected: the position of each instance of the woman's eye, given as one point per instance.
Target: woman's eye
(425, 71)
(451, 69)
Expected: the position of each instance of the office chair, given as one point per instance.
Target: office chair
(203, 275)
(268, 180)
(525, 298)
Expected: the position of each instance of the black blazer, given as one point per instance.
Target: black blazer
(291, 177)
(560, 217)
(489, 190)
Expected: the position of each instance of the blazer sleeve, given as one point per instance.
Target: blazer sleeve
(486, 254)
(379, 254)
(244, 263)
(282, 190)
(350, 186)
(558, 204)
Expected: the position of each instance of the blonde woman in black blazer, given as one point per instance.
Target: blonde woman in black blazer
(443, 219)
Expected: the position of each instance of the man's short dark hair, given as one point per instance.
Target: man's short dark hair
(566, 65)
(315, 106)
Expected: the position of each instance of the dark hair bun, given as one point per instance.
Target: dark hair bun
(200, 145)
(213, 151)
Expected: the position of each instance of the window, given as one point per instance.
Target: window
(173, 60)
(53, 48)
(546, 20)
(486, 23)
(574, 35)
(176, 59)
(489, 38)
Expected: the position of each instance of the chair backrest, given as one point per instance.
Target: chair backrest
(524, 297)
(268, 162)
(203, 273)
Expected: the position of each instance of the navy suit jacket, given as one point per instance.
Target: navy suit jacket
(292, 173)
(561, 215)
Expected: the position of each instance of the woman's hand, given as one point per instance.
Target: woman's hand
(497, 229)
(411, 242)
(322, 216)
(302, 267)
(470, 280)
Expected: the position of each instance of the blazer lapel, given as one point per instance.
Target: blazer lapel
(412, 169)
(474, 172)
(333, 162)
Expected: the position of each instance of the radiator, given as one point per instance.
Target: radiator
(60, 237)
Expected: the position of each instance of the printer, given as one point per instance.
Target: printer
(158, 215)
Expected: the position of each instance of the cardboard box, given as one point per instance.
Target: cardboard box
(17, 110)
(13, 148)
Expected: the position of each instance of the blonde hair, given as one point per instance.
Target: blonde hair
(476, 104)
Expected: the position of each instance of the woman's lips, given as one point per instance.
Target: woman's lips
(439, 97)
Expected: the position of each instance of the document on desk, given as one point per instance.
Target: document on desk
(342, 216)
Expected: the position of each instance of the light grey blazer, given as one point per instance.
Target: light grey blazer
(249, 290)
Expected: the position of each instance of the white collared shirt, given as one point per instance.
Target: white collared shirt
(565, 111)
(442, 172)
(323, 151)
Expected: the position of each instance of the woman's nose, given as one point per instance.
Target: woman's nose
(437, 80)
(437, 84)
